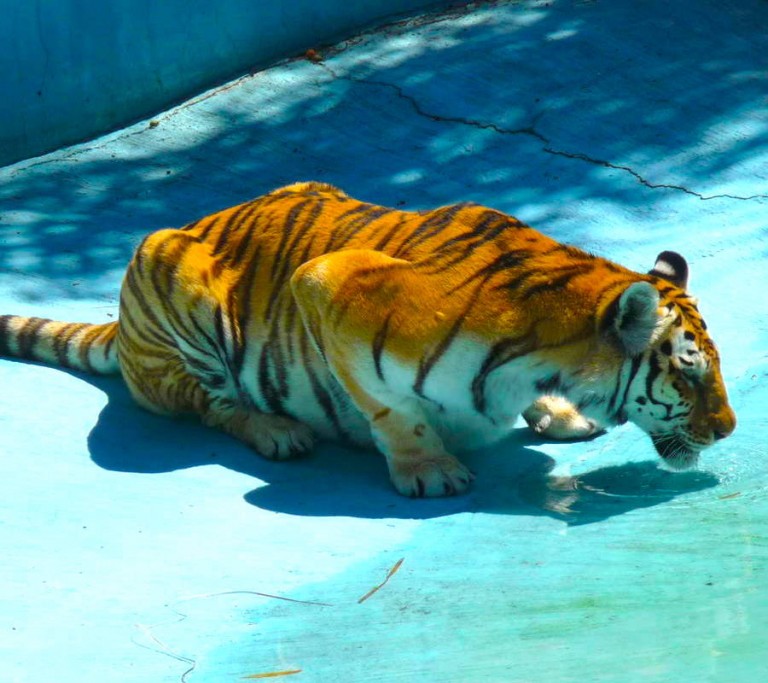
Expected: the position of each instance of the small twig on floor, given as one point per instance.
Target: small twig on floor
(262, 595)
(390, 574)
(273, 674)
(163, 649)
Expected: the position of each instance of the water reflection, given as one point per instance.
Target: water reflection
(608, 491)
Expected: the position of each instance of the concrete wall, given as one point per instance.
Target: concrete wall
(72, 69)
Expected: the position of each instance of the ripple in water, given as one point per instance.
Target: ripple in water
(730, 471)
(741, 468)
(608, 491)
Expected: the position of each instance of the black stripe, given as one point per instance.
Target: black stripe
(153, 333)
(515, 282)
(343, 233)
(138, 256)
(588, 401)
(501, 263)
(349, 223)
(547, 385)
(5, 333)
(237, 324)
(573, 252)
(218, 327)
(212, 221)
(434, 223)
(232, 363)
(221, 337)
(292, 319)
(27, 336)
(501, 352)
(165, 291)
(131, 375)
(460, 247)
(108, 347)
(194, 224)
(378, 346)
(633, 370)
(288, 323)
(130, 346)
(288, 224)
(213, 349)
(488, 226)
(322, 395)
(168, 259)
(172, 318)
(553, 284)
(315, 329)
(654, 370)
(234, 256)
(617, 388)
(204, 373)
(429, 359)
(238, 217)
(385, 239)
(239, 303)
(62, 341)
(84, 351)
(266, 388)
(282, 264)
(133, 286)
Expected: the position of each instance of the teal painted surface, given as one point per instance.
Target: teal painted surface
(138, 549)
(73, 69)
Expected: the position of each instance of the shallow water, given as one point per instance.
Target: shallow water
(147, 548)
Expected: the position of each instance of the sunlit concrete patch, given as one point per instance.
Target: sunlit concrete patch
(156, 549)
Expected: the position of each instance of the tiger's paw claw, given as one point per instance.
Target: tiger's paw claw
(430, 476)
(281, 438)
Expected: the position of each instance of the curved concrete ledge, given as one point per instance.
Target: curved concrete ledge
(73, 69)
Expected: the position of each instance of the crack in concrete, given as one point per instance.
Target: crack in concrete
(532, 132)
(440, 118)
(645, 181)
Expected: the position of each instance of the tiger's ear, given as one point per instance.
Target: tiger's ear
(635, 317)
(672, 267)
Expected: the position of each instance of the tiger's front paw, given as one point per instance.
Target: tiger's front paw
(557, 418)
(423, 475)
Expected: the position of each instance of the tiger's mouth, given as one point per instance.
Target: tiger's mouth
(675, 451)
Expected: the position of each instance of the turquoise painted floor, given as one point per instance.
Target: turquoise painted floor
(142, 550)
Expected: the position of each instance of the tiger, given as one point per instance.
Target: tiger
(306, 314)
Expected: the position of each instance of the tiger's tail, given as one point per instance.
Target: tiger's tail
(80, 346)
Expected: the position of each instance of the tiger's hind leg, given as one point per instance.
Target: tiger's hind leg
(558, 418)
(346, 299)
(178, 341)
(273, 436)
(177, 390)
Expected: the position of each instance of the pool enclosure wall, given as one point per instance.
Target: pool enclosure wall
(73, 69)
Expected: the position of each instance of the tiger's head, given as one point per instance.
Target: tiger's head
(671, 385)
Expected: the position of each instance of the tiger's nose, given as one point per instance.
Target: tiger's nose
(724, 424)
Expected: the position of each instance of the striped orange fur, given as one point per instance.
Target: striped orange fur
(308, 313)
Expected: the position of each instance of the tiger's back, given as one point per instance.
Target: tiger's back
(308, 312)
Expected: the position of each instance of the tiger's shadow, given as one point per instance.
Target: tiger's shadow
(512, 478)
